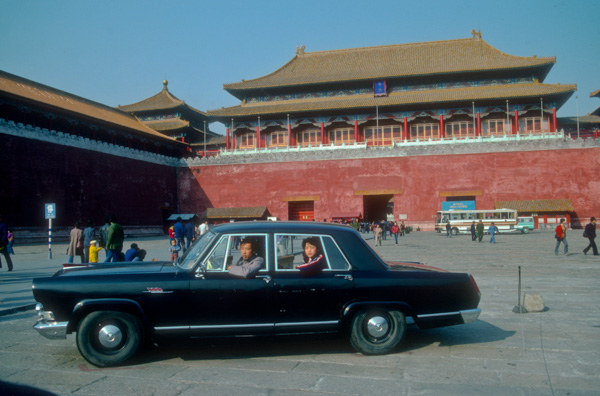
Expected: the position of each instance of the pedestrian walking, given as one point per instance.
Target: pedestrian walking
(377, 231)
(93, 251)
(448, 230)
(395, 231)
(479, 230)
(75, 247)
(590, 233)
(561, 236)
(493, 230)
(114, 243)
(473, 231)
(4, 245)
(174, 250)
(104, 235)
(179, 232)
(190, 233)
(89, 234)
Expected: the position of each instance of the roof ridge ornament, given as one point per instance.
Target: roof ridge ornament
(300, 50)
(476, 34)
(165, 83)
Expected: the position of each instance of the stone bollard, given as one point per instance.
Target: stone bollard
(533, 303)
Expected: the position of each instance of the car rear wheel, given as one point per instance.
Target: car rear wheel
(108, 338)
(377, 331)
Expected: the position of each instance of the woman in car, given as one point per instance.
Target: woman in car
(314, 259)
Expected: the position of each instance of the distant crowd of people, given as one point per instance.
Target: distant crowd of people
(181, 236)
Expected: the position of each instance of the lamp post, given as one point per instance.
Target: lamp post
(577, 106)
(474, 126)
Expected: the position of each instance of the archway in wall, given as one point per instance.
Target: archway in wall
(301, 210)
(378, 207)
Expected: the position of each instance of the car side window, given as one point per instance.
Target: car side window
(335, 258)
(293, 254)
(216, 260)
(289, 251)
(227, 252)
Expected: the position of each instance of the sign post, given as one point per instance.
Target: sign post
(50, 214)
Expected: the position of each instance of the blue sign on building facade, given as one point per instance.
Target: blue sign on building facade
(458, 205)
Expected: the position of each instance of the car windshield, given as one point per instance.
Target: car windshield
(190, 257)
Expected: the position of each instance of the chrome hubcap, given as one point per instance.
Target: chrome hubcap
(377, 326)
(110, 336)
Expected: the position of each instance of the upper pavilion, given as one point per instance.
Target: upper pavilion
(172, 117)
(439, 83)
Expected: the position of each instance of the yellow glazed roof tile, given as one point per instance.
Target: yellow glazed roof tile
(401, 60)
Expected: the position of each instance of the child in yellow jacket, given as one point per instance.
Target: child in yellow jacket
(94, 249)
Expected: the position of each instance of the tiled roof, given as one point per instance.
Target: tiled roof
(402, 60)
(236, 213)
(537, 206)
(586, 119)
(164, 100)
(167, 125)
(403, 98)
(595, 94)
(30, 91)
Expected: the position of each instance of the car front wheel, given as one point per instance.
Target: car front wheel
(107, 338)
(376, 332)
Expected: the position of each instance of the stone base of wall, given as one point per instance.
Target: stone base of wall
(28, 235)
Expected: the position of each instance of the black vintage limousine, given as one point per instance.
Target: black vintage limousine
(116, 307)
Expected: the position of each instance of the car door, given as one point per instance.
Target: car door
(221, 304)
(309, 301)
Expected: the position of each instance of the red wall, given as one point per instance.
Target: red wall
(550, 174)
(84, 185)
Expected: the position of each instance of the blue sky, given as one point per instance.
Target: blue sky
(118, 52)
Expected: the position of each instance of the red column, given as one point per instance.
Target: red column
(478, 127)
(516, 129)
(442, 132)
(322, 133)
(405, 129)
(596, 134)
(356, 131)
(226, 140)
(289, 135)
(257, 137)
(553, 129)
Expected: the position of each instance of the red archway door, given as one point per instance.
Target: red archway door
(302, 211)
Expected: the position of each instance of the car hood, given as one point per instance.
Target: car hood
(136, 267)
(411, 266)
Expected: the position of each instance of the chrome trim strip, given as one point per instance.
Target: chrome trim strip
(468, 315)
(165, 328)
(244, 326)
(437, 314)
(233, 326)
(326, 322)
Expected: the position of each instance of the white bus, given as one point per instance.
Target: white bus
(460, 220)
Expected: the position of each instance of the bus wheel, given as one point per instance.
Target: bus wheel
(525, 230)
(455, 231)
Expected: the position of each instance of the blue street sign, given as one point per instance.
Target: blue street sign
(50, 210)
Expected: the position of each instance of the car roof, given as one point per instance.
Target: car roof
(300, 227)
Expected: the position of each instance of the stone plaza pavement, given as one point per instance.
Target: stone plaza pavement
(552, 352)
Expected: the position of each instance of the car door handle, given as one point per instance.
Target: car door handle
(266, 278)
(344, 276)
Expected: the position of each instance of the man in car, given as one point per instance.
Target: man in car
(250, 262)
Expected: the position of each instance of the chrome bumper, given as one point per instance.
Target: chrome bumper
(470, 315)
(52, 330)
(47, 326)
